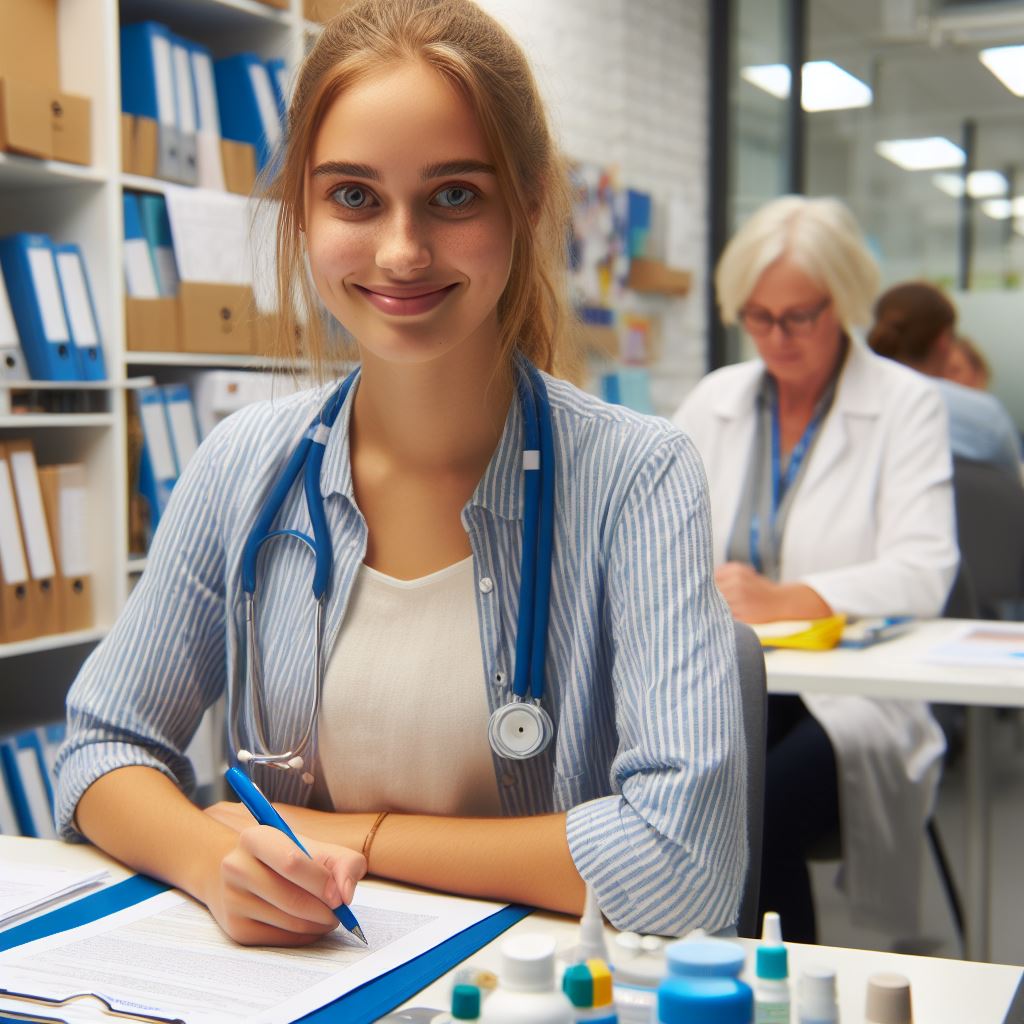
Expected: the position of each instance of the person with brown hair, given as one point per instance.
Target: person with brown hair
(915, 324)
(966, 364)
(423, 209)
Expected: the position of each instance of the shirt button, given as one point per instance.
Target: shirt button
(486, 584)
(508, 780)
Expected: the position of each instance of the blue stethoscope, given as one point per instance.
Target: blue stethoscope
(520, 728)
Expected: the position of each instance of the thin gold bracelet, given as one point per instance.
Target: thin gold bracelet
(368, 841)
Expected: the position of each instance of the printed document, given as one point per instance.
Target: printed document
(167, 956)
(988, 643)
(24, 888)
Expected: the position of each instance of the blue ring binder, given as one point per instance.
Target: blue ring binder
(361, 1006)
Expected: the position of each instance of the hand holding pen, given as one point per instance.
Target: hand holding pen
(265, 814)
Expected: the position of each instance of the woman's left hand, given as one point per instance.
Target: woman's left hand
(751, 597)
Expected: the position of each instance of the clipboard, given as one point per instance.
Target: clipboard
(363, 1005)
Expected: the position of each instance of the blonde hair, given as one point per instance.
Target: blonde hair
(820, 236)
(471, 50)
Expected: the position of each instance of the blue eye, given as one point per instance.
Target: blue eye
(352, 197)
(455, 197)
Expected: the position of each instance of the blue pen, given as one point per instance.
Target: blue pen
(263, 811)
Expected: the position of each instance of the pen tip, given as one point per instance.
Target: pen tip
(358, 933)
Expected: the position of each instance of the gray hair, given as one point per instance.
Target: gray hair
(821, 236)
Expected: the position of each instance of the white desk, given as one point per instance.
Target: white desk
(944, 991)
(896, 669)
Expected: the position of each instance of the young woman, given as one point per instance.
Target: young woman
(421, 189)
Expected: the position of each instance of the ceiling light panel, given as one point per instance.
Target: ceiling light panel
(1007, 64)
(980, 184)
(826, 86)
(927, 154)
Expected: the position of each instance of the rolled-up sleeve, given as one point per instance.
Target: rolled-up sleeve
(141, 694)
(668, 852)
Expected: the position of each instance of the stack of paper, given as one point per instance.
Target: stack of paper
(24, 888)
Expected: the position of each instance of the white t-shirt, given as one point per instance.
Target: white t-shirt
(403, 722)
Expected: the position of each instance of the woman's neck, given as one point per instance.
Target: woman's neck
(444, 416)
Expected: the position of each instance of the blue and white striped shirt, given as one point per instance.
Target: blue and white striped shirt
(648, 758)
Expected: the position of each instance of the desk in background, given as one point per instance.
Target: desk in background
(897, 670)
(944, 991)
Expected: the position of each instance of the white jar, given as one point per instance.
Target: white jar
(638, 967)
(526, 992)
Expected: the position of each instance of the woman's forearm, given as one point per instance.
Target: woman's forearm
(139, 816)
(515, 860)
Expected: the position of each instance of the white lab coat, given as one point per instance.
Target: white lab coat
(871, 528)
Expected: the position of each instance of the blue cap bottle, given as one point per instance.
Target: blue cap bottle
(703, 985)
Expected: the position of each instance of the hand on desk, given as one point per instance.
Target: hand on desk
(268, 892)
(755, 598)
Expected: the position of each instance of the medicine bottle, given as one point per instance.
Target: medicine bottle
(703, 985)
(816, 995)
(888, 1000)
(771, 987)
(465, 1005)
(638, 967)
(526, 992)
(589, 988)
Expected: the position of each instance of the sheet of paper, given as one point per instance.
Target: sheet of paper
(211, 235)
(25, 888)
(167, 955)
(988, 643)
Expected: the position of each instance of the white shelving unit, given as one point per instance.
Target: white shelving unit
(83, 205)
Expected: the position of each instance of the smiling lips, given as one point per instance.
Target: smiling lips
(406, 301)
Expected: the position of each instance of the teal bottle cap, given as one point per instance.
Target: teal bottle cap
(772, 963)
(714, 958)
(578, 985)
(705, 1001)
(466, 1002)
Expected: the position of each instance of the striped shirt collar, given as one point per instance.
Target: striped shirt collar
(499, 491)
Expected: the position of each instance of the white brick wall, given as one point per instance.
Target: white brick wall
(626, 84)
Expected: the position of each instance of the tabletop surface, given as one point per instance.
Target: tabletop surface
(897, 669)
(943, 991)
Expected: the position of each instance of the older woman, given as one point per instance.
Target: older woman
(830, 492)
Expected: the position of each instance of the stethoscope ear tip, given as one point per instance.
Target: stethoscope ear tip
(244, 756)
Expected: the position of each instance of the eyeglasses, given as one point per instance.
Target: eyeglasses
(794, 323)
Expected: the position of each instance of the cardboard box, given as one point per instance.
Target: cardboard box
(28, 42)
(25, 119)
(647, 275)
(239, 160)
(71, 122)
(215, 318)
(144, 146)
(151, 325)
(265, 327)
(324, 10)
(127, 137)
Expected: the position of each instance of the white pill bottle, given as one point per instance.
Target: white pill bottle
(526, 992)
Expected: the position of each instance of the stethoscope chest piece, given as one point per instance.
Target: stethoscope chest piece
(520, 730)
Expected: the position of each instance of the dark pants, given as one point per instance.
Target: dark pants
(801, 809)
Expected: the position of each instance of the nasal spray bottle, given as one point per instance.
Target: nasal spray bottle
(771, 987)
(526, 992)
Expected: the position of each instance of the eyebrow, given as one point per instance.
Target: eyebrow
(442, 170)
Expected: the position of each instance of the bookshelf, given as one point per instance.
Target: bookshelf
(82, 204)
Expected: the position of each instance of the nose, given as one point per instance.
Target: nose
(403, 248)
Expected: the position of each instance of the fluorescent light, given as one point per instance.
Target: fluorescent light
(921, 154)
(980, 184)
(1003, 209)
(826, 86)
(772, 78)
(1007, 64)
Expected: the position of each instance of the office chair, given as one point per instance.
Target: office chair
(753, 686)
(990, 532)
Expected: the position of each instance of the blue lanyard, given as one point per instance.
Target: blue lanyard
(538, 518)
(781, 482)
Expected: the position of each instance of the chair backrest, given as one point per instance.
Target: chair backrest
(753, 685)
(990, 532)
